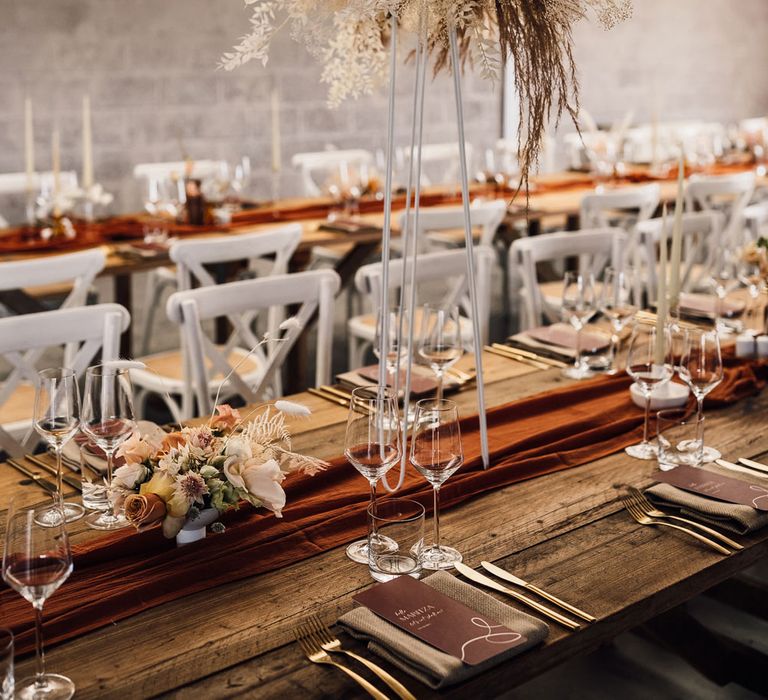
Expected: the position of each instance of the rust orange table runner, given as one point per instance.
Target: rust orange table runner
(125, 573)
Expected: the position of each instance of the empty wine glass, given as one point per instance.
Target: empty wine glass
(618, 304)
(108, 420)
(436, 452)
(36, 561)
(701, 368)
(649, 363)
(724, 278)
(440, 340)
(371, 443)
(396, 352)
(579, 305)
(57, 418)
(750, 276)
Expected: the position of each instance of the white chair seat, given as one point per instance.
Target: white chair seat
(364, 327)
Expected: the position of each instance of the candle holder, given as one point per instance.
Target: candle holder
(58, 228)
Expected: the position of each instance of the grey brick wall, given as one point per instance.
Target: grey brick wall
(150, 68)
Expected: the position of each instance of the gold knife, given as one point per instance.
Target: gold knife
(738, 468)
(501, 573)
(754, 465)
(39, 480)
(327, 397)
(483, 580)
(516, 358)
(531, 355)
(328, 389)
(66, 478)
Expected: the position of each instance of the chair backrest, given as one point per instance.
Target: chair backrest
(323, 163)
(727, 193)
(438, 157)
(594, 249)
(177, 169)
(484, 215)
(23, 340)
(700, 231)
(313, 290)
(601, 209)
(17, 183)
(449, 267)
(756, 219)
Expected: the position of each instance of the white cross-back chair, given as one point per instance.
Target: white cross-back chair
(727, 193)
(269, 250)
(24, 339)
(756, 220)
(314, 167)
(78, 269)
(439, 162)
(594, 249)
(313, 291)
(700, 242)
(448, 268)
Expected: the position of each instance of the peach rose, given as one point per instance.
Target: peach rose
(173, 440)
(227, 417)
(144, 510)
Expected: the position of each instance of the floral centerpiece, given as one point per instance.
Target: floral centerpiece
(217, 465)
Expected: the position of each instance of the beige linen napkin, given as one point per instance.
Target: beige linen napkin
(710, 511)
(422, 661)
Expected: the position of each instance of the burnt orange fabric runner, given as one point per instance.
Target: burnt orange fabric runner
(125, 573)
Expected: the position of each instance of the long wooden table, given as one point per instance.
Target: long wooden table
(565, 531)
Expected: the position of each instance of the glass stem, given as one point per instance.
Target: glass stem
(439, 385)
(700, 426)
(59, 483)
(40, 658)
(436, 495)
(614, 349)
(647, 417)
(373, 501)
(578, 347)
(110, 514)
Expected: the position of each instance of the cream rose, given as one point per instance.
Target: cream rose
(260, 480)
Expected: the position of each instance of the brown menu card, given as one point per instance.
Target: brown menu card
(439, 620)
(722, 488)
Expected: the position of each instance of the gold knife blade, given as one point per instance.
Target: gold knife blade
(531, 355)
(754, 465)
(39, 480)
(327, 397)
(502, 574)
(516, 358)
(483, 580)
(66, 478)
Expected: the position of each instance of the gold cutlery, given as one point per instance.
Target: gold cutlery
(323, 636)
(66, 478)
(483, 580)
(503, 574)
(460, 375)
(516, 358)
(644, 519)
(754, 465)
(44, 484)
(347, 396)
(649, 509)
(328, 397)
(317, 655)
(742, 469)
(531, 355)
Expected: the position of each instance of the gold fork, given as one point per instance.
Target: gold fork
(644, 519)
(318, 655)
(329, 642)
(648, 508)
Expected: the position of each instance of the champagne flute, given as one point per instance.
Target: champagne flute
(57, 418)
(617, 302)
(371, 443)
(436, 452)
(36, 561)
(649, 363)
(108, 420)
(579, 305)
(701, 368)
(440, 340)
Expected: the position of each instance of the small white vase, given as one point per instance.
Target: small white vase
(194, 530)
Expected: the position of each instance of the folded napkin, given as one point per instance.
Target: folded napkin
(559, 341)
(706, 304)
(427, 664)
(729, 516)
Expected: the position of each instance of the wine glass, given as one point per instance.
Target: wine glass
(579, 305)
(436, 452)
(108, 420)
(396, 352)
(57, 418)
(649, 363)
(440, 340)
(618, 304)
(36, 561)
(724, 279)
(371, 443)
(701, 368)
(749, 275)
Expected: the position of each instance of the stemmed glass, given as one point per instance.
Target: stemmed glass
(650, 366)
(617, 302)
(436, 452)
(36, 561)
(724, 278)
(57, 418)
(371, 443)
(440, 340)
(108, 420)
(701, 368)
(579, 305)
(749, 275)
(395, 352)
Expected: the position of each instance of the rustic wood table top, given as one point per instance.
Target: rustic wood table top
(566, 532)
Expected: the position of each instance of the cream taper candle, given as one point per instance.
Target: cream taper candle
(661, 296)
(276, 156)
(677, 237)
(87, 144)
(29, 145)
